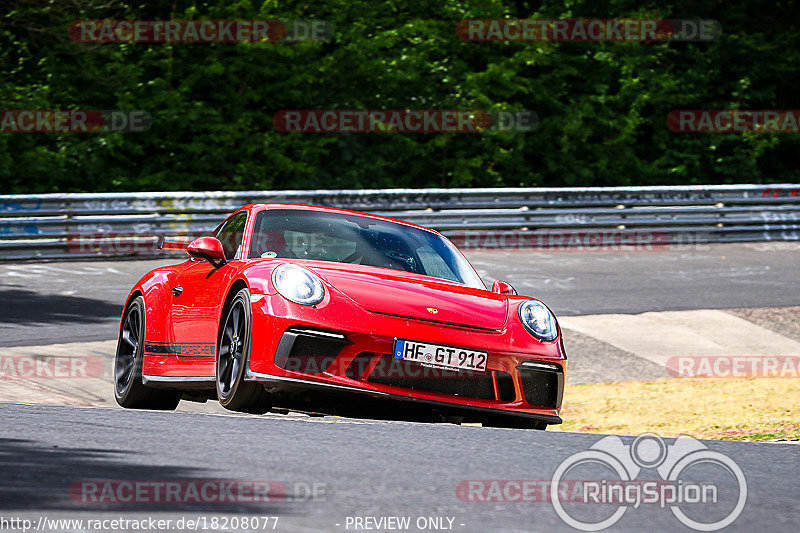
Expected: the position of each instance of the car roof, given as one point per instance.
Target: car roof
(254, 208)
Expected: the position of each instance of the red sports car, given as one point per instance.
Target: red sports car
(328, 311)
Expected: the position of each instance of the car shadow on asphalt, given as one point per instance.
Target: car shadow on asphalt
(22, 306)
(37, 477)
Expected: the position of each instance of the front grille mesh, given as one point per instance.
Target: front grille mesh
(410, 375)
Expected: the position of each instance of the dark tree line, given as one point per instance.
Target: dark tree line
(602, 106)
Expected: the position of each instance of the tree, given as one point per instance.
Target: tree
(602, 106)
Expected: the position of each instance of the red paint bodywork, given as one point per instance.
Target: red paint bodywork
(371, 306)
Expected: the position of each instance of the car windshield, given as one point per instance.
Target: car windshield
(344, 238)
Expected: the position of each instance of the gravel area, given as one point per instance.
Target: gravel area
(782, 320)
(594, 361)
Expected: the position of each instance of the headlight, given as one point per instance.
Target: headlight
(298, 284)
(538, 320)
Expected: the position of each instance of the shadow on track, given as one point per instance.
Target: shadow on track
(22, 306)
(37, 477)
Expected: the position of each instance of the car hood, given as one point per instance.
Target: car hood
(415, 296)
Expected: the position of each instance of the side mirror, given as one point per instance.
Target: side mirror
(208, 249)
(501, 287)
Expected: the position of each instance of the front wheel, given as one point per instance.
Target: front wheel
(233, 355)
(129, 390)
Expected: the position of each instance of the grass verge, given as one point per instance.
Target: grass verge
(746, 409)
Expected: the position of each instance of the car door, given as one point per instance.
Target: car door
(197, 294)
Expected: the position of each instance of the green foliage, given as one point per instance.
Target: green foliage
(602, 106)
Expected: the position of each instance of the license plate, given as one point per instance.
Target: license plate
(439, 355)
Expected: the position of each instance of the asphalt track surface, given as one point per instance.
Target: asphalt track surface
(361, 468)
(59, 302)
(369, 468)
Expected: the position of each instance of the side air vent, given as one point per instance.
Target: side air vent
(308, 350)
(542, 383)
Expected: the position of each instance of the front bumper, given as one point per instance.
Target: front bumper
(348, 350)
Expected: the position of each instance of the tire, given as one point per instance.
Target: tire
(233, 356)
(129, 390)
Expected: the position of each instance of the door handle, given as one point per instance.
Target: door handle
(177, 290)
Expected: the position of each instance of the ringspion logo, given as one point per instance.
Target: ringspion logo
(696, 483)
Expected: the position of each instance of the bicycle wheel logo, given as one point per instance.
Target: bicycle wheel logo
(623, 489)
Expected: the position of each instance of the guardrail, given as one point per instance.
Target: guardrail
(52, 226)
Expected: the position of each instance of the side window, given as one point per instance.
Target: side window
(231, 234)
(265, 242)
